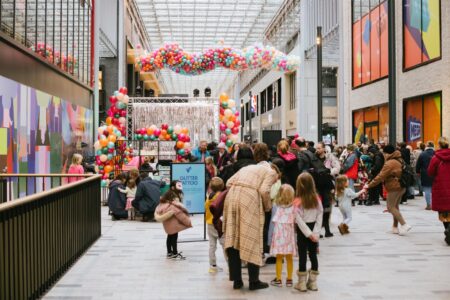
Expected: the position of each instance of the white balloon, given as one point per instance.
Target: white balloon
(177, 129)
(187, 145)
(231, 103)
(120, 96)
(97, 145)
(125, 99)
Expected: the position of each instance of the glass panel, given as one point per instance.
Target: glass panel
(20, 21)
(432, 118)
(413, 121)
(358, 125)
(30, 30)
(7, 16)
(431, 30)
(375, 43)
(384, 39)
(412, 33)
(357, 54)
(383, 123)
(365, 49)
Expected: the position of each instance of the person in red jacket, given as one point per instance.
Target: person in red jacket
(439, 168)
(350, 166)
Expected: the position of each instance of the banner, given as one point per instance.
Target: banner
(193, 178)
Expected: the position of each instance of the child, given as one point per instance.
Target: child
(76, 167)
(283, 238)
(344, 195)
(216, 186)
(268, 225)
(211, 167)
(175, 218)
(363, 179)
(131, 193)
(176, 187)
(309, 221)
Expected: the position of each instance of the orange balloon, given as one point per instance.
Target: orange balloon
(108, 169)
(185, 130)
(103, 142)
(110, 128)
(221, 118)
(232, 118)
(150, 131)
(108, 120)
(168, 137)
(180, 145)
(223, 97)
(112, 138)
(164, 132)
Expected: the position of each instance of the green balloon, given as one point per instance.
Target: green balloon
(229, 143)
(105, 150)
(174, 137)
(138, 136)
(170, 130)
(145, 137)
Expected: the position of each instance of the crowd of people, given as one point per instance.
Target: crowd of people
(271, 204)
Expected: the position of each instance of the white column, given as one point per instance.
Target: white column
(121, 49)
(96, 61)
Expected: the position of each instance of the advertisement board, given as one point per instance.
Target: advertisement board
(193, 178)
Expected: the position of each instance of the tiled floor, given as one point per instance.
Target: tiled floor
(129, 262)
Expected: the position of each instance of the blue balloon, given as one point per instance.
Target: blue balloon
(99, 152)
(110, 156)
(111, 145)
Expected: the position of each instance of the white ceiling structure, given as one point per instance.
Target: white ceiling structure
(199, 24)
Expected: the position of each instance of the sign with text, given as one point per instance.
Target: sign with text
(193, 178)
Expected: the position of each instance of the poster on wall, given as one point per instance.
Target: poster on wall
(193, 178)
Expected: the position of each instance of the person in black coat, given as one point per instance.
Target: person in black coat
(406, 156)
(147, 196)
(244, 159)
(290, 169)
(221, 157)
(422, 169)
(378, 163)
(117, 200)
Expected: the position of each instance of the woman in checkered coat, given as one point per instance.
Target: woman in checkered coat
(247, 200)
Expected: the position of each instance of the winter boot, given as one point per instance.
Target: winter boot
(447, 235)
(312, 280)
(346, 231)
(341, 228)
(301, 284)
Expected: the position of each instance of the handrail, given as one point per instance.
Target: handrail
(44, 175)
(34, 197)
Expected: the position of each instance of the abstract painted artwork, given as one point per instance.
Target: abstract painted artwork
(421, 31)
(39, 132)
(370, 42)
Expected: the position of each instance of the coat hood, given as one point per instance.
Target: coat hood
(395, 155)
(115, 183)
(443, 154)
(288, 156)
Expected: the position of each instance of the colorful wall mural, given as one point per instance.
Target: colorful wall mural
(40, 132)
(421, 31)
(422, 121)
(370, 43)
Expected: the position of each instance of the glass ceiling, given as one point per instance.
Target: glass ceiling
(199, 24)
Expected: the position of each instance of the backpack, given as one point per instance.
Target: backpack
(407, 178)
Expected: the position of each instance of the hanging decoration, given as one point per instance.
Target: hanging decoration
(176, 133)
(67, 63)
(229, 121)
(172, 56)
(111, 148)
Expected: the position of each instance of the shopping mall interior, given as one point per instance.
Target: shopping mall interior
(162, 149)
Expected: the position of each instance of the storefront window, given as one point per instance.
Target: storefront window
(421, 32)
(371, 124)
(370, 41)
(422, 119)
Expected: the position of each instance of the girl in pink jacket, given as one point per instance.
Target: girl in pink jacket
(175, 218)
(76, 167)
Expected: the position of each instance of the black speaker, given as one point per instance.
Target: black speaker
(196, 93)
(207, 92)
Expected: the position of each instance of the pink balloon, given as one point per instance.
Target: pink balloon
(222, 127)
(157, 132)
(187, 139)
(182, 137)
(237, 113)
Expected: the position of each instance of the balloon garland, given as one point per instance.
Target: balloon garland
(229, 121)
(176, 133)
(172, 56)
(69, 63)
(111, 148)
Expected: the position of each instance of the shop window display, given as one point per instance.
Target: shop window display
(421, 32)
(370, 41)
(422, 119)
(371, 123)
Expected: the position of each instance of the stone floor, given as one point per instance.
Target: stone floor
(128, 262)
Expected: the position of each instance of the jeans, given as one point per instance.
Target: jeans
(213, 237)
(427, 193)
(307, 247)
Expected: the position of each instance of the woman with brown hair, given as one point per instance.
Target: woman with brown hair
(290, 170)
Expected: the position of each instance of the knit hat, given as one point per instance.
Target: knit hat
(389, 149)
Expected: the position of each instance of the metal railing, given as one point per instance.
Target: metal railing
(15, 186)
(42, 235)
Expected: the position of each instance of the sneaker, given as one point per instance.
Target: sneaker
(276, 282)
(178, 256)
(289, 282)
(169, 255)
(328, 234)
(394, 230)
(215, 269)
(403, 230)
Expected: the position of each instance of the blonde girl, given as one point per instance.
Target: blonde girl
(283, 238)
(76, 167)
(309, 221)
(344, 195)
(130, 191)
